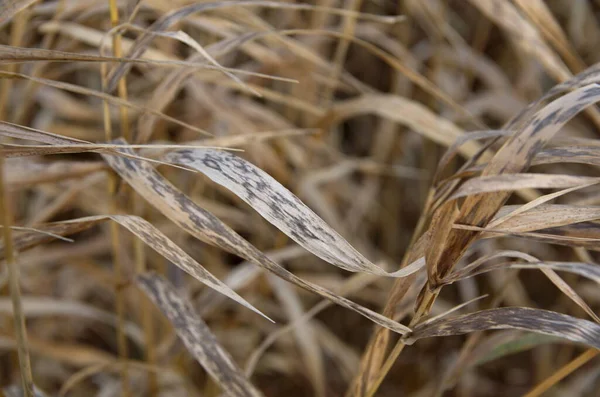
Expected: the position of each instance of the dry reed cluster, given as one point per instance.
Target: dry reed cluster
(291, 198)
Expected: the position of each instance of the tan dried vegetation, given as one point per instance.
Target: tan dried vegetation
(291, 198)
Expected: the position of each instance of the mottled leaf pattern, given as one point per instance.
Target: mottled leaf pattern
(526, 319)
(196, 336)
(514, 157)
(155, 239)
(279, 206)
(206, 227)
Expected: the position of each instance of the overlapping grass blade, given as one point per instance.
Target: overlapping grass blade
(280, 207)
(521, 318)
(196, 336)
(206, 227)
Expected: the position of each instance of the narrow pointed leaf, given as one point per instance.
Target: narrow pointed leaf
(206, 227)
(196, 336)
(156, 240)
(522, 318)
(279, 206)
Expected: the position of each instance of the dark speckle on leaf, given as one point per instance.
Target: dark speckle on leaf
(539, 125)
(590, 92)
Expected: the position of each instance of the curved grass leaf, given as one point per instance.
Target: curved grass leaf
(588, 270)
(206, 227)
(196, 336)
(546, 216)
(508, 182)
(514, 157)
(177, 15)
(77, 89)
(526, 319)
(414, 115)
(155, 239)
(525, 35)
(279, 206)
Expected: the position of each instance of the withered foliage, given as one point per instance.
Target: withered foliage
(265, 198)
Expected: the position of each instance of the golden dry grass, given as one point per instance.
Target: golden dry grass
(293, 198)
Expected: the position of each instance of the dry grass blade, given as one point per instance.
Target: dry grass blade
(506, 212)
(587, 270)
(541, 15)
(304, 333)
(14, 282)
(453, 149)
(11, 130)
(515, 156)
(509, 182)
(50, 234)
(73, 354)
(556, 155)
(477, 264)
(41, 306)
(21, 174)
(196, 336)
(46, 233)
(206, 227)
(175, 16)
(77, 89)
(280, 207)
(251, 138)
(541, 128)
(526, 319)
(543, 216)
(62, 144)
(569, 292)
(389, 152)
(155, 239)
(11, 151)
(580, 155)
(147, 233)
(477, 267)
(12, 54)
(562, 373)
(413, 115)
(526, 36)
(440, 228)
(186, 39)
